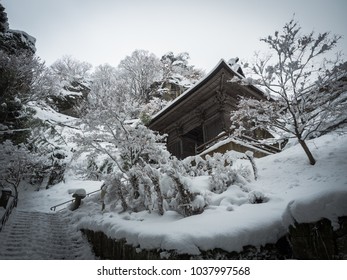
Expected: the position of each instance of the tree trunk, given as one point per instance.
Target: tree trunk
(160, 199)
(250, 156)
(117, 184)
(134, 181)
(307, 151)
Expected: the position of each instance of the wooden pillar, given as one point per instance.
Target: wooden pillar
(200, 114)
(179, 133)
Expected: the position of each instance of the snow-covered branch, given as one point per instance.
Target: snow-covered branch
(306, 87)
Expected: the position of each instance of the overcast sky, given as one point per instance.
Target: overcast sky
(105, 31)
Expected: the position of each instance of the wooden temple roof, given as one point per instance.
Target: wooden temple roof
(201, 92)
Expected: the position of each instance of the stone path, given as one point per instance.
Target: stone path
(41, 236)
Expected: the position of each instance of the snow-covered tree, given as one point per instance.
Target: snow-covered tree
(108, 89)
(69, 81)
(25, 83)
(21, 81)
(150, 108)
(176, 69)
(139, 71)
(18, 163)
(304, 87)
(70, 69)
(128, 148)
(104, 80)
(131, 150)
(177, 76)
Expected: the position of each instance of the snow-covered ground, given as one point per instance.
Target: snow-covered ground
(292, 190)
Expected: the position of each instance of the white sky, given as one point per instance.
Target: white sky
(105, 31)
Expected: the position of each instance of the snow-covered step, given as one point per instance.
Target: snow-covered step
(36, 235)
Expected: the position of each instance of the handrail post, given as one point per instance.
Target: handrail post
(53, 208)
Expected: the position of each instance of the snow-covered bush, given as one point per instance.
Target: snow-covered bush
(18, 164)
(243, 171)
(222, 176)
(220, 167)
(256, 197)
(182, 199)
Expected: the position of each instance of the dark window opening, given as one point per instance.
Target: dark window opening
(196, 135)
(213, 128)
(191, 140)
(186, 145)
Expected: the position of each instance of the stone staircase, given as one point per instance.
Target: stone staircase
(42, 236)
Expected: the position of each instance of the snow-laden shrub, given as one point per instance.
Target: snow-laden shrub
(244, 173)
(157, 182)
(185, 201)
(194, 166)
(222, 173)
(155, 187)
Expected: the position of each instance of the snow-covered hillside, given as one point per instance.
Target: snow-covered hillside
(290, 188)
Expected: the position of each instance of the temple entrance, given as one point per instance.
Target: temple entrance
(185, 145)
(212, 128)
(191, 140)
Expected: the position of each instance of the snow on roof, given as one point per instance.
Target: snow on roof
(231, 66)
(232, 140)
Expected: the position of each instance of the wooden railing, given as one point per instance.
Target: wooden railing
(209, 143)
(53, 208)
(9, 208)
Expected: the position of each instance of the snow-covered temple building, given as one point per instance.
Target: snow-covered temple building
(198, 121)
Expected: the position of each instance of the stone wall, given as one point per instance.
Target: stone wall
(318, 240)
(108, 248)
(304, 241)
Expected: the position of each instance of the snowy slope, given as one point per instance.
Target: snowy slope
(292, 190)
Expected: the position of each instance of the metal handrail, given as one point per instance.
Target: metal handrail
(53, 208)
(8, 211)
